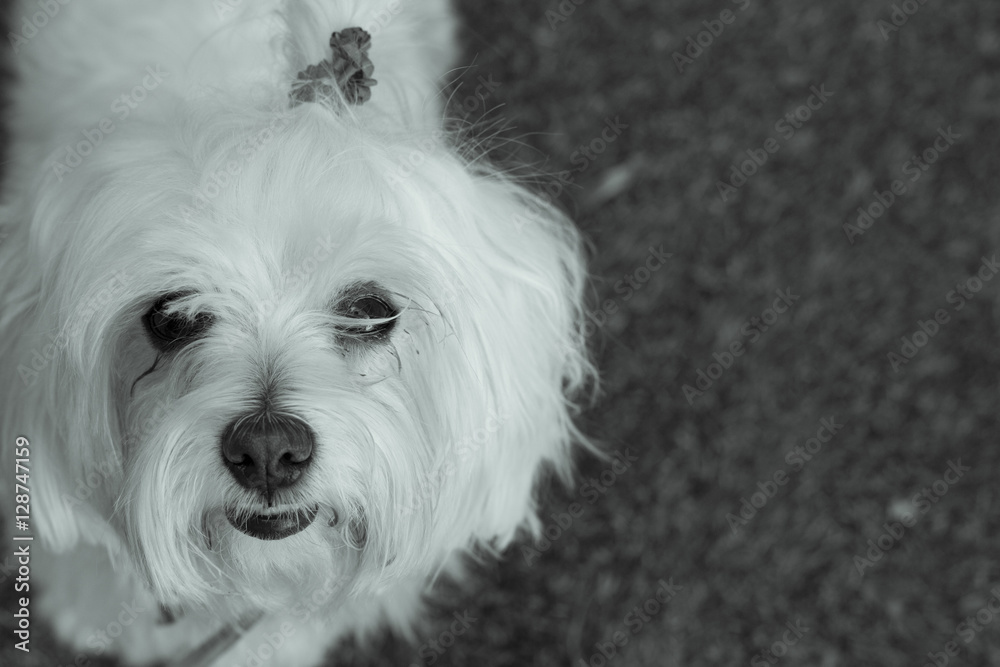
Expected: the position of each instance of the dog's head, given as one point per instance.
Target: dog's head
(288, 349)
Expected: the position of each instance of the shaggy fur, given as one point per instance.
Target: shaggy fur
(203, 181)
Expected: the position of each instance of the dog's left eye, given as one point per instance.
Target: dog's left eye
(170, 330)
(370, 307)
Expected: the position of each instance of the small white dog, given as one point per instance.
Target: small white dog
(281, 346)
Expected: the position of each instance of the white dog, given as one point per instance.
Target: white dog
(280, 345)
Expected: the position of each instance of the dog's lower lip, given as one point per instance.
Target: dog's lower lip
(273, 525)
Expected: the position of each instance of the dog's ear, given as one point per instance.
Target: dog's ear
(62, 503)
(63, 486)
(48, 400)
(525, 318)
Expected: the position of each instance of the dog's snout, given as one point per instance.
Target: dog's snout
(266, 452)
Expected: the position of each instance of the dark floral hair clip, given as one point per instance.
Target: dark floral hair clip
(349, 68)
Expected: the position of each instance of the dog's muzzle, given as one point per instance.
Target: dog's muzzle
(266, 453)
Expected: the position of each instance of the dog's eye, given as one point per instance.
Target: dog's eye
(170, 330)
(370, 307)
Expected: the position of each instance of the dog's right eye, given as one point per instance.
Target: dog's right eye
(171, 330)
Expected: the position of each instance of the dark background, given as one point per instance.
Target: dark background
(665, 517)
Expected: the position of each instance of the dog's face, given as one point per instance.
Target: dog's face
(306, 354)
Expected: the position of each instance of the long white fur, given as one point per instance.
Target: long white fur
(434, 440)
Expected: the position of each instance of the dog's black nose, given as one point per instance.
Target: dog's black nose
(267, 452)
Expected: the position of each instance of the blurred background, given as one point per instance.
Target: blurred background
(801, 395)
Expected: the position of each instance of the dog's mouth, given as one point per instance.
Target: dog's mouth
(273, 523)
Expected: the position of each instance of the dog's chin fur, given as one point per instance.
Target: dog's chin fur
(429, 439)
